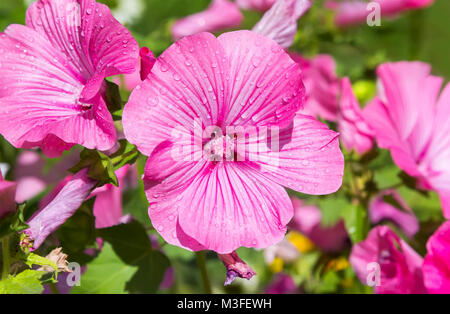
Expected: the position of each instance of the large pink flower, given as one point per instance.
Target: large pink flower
(220, 15)
(322, 86)
(204, 190)
(53, 70)
(354, 130)
(399, 265)
(436, 267)
(412, 121)
(7, 194)
(356, 12)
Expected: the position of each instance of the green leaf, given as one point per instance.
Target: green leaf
(14, 222)
(126, 154)
(99, 165)
(113, 98)
(27, 282)
(132, 244)
(356, 222)
(105, 274)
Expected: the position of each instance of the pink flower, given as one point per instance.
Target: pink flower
(354, 131)
(356, 12)
(32, 177)
(204, 191)
(53, 71)
(322, 86)
(7, 195)
(258, 5)
(307, 220)
(220, 15)
(235, 268)
(280, 22)
(108, 209)
(380, 209)
(436, 267)
(411, 120)
(67, 200)
(399, 265)
(282, 284)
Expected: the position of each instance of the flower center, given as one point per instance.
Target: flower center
(219, 148)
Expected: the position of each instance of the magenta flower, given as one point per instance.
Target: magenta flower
(220, 15)
(409, 120)
(399, 265)
(322, 86)
(205, 98)
(354, 130)
(282, 284)
(280, 22)
(68, 198)
(307, 220)
(258, 5)
(380, 210)
(356, 12)
(436, 267)
(7, 196)
(53, 71)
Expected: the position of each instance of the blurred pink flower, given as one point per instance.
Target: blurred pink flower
(403, 217)
(356, 12)
(280, 22)
(353, 129)
(436, 267)
(258, 5)
(7, 195)
(307, 220)
(31, 176)
(239, 79)
(53, 71)
(409, 120)
(108, 209)
(67, 200)
(322, 86)
(400, 266)
(282, 284)
(236, 268)
(220, 15)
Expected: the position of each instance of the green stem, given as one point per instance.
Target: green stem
(201, 262)
(6, 257)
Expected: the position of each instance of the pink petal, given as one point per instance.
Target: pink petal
(101, 46)
(280, 22)
(165, 180)
(355, 133)
(235, 207)
(259, 5)
(220, 15)
(265, 84)
(108, 202)
(148, 60)
(308, 160)
(436, 267)
(63, 206)
(322, 86)
(380, 210)
(445, 201)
